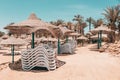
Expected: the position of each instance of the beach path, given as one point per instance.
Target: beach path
(84, 65)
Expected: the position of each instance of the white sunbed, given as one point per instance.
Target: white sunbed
(41, 56)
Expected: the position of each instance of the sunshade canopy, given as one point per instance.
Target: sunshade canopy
(64, 30)
(13, 41)
(102, 28)
(96, 36)
(82, 38)
(73, 34)
(32, 24)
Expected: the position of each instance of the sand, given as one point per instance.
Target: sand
(84, 65)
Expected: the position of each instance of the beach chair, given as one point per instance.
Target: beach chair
(41, 56)
(68, 47)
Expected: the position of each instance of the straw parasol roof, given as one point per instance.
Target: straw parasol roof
(32, 24)
(116, 32)
(44, 28)
(82, 38)
(70, 38)
(103, 28)
(13, 41)
(43, 38)
(28, 39)
(5, 36)
(104, 36)
(32, 21)
(52, 39)
(21, 41)
(64, 30)
(73, 34)
(89, 33)
(23, 36)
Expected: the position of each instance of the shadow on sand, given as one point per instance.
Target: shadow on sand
(17, 66)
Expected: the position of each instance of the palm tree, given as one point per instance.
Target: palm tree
(83, 25)
(118, 21)
(89, 20)
(111, 14)
(79, 20)
(69, 25)
(58, 22)
(97, 23)
(53, 23)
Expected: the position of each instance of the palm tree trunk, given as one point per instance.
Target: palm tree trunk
(90, 25)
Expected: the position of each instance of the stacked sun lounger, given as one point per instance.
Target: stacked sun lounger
(68, 47)
(41, 56)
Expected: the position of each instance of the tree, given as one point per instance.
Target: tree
(111, 15)
(69, 25)
(53, 23)
(58, 22)
(118, 22)
(89, 20)
(97, 23)
(80, 22)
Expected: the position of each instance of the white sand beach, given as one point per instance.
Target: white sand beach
(84, 65)
(42, 40)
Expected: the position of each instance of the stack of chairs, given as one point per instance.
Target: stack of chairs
(68, 47)
(41, 56)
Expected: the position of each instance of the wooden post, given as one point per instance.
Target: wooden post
(98, 41)
(66, 39)
(12, 50)
(33, 45)
(58, 45)
(100, 38)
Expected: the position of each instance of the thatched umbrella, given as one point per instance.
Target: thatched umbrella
(104, 36)
(13, 41)
(83, 38)
(89, 33)
(101, 29)
(32, 24)
(43, 38)
(64, 30)
(5, 36)
(52, 39)
(73, 34)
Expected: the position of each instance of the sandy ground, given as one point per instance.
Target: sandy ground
(85, 65)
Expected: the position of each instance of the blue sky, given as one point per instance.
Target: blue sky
(51, 10)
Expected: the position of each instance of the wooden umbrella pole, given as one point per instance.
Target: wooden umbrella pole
(32, 46)
(58, 45)
(12, 48)
(66, 38)
(82, 42)
(100, 38)
(98, 41)
(90, 24)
